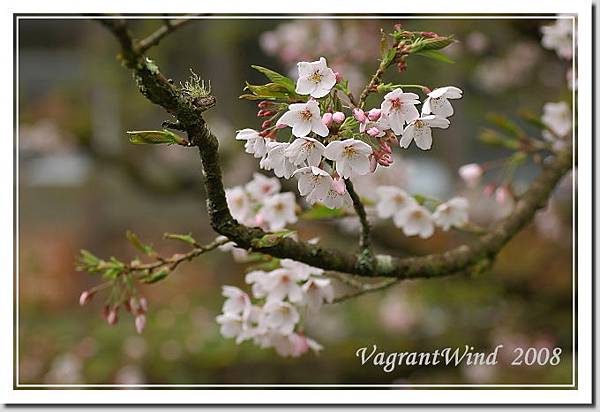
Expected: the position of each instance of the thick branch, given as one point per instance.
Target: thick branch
(189, 114)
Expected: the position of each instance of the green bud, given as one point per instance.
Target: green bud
(156, 137)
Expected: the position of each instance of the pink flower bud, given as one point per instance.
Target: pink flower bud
(85, 297)
(264, 113)
(338, 77)
(471, 174)
(281, 126)
(426, 90)
(140, 323)
(113, 316)
(327, 119)
(359, 115)
(373, 132)
(264, 104)
(488, 190)
(143, 304)
(385, 147)
(339, 117)
(372, 163)
(374, 114)
(502, 194)
(339, 186)
(266, 124)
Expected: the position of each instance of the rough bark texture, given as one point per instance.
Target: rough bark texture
(188, 112)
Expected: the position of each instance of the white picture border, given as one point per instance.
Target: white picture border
(483, 394)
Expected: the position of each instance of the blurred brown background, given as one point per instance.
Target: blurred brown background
(82, 186)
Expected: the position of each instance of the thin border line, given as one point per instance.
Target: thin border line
(549, 16)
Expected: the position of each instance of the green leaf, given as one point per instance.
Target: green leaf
(506, 124)
(388, 56)
(137, 243)
(87, 261)
(436, 43)
(533, 120)
(435, 55)
(156, 137)
(271, 239)
(494, 138)
(320, 211)
(183, 238)
(158, 275)
(267, 91)
(277, 78)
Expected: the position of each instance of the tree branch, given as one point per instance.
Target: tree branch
(365, 232)
(188, 112)
(153, 39)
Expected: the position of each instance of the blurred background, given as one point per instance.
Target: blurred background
(82, 185)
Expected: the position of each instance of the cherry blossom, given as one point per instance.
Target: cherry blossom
(559, 37)
(392, 200)
(280, 316)
(316, 291)
(304, 118)
(420, 131)
(279, 210)
(438, 102)
(238, 202)
(302, 271)
(557, 116)
(305, 150)
(471, 174)
(232, 326)
(313, 182)
(415, 220)
(237, 302)
(454, 212)
(294, 345)
(399, 107)
(255, 144)
(351, 156)
(261, 186)
(315, 78)
(276, 160)
(283, 283)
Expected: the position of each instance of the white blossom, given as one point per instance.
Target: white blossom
(438, 102)
(380, 125)
(279, 316)
(453, 213)
(259, 279)
(420, 131)
(232, 326)
(283, 283)
(238, 203)
(415, 220)
(316, 291)
(392, 200)
(557, 116)
(304, 118)
(237, 302)
(471, 174)
(399, 107)
(279, 210)
(314, 183)
(315, 78)
(333, 199)
(255, 144)
(301, 271)
(294, 345)
(261, 186)
(276, 160)
(305, 150)
(351, 156)
(559, 37)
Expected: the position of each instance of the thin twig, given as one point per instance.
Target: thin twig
(154, 38)
(365, 227)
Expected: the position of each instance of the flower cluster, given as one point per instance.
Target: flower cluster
(259, 203)
(559, 37)
(415, 219)
(328, 146)
(273, 318)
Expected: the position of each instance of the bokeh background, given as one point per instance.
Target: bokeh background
(81, 185)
